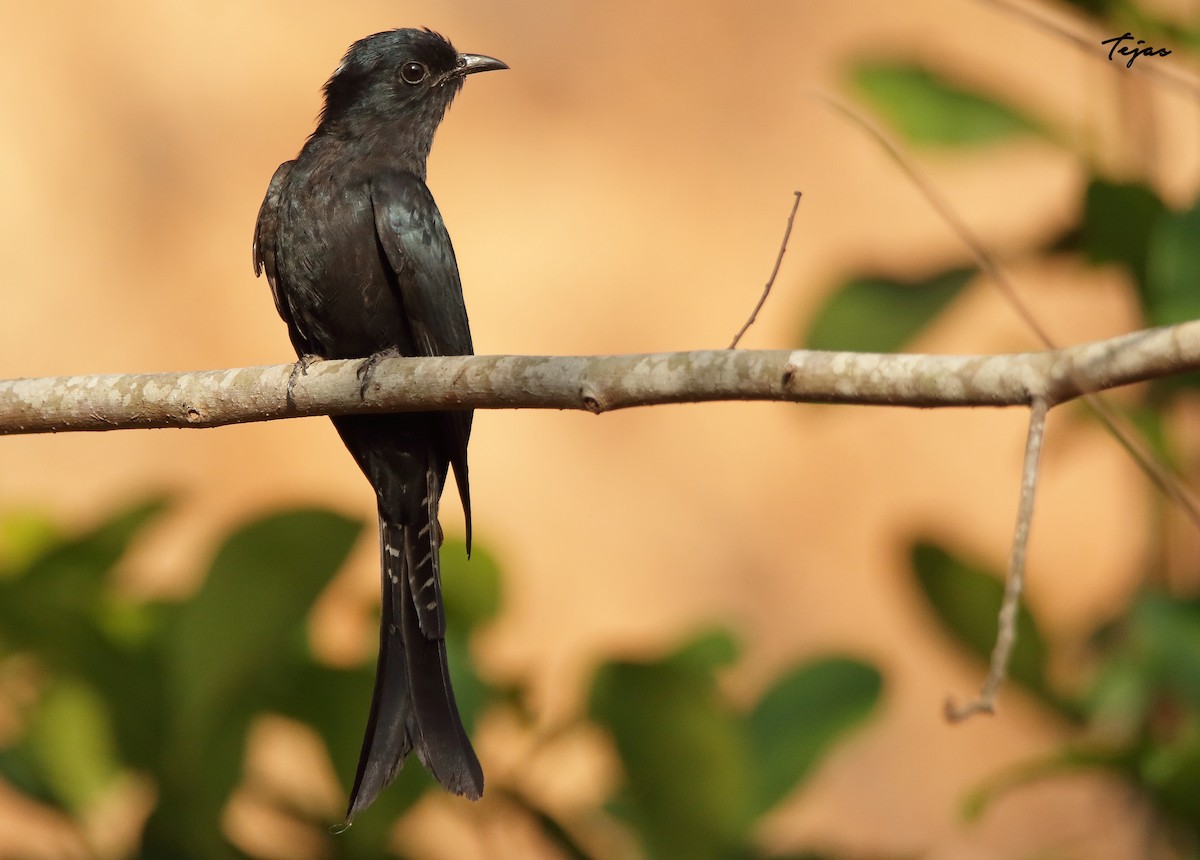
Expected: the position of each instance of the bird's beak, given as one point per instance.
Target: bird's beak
(469, 64)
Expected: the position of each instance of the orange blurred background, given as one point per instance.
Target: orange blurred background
(623, 188)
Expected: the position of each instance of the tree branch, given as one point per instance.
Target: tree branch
(593, 383)
(1006, 633)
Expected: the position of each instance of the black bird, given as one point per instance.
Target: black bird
(360, 265)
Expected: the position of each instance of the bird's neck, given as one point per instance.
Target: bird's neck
(392, 147)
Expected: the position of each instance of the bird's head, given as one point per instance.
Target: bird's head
(398, 81)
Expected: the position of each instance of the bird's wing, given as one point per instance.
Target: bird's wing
(417, 247)
(266, 229)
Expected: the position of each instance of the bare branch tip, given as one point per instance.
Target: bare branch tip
(954, 713)
(787, 232)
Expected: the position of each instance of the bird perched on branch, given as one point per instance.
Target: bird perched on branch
(361, 266)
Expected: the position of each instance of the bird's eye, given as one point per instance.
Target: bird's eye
(413, 72)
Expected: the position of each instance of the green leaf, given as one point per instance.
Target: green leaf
(25, 535)
(102, 546)
(683, 751)
(471, 693)
(966, 599)
(471, 591)
(1171, 770)
(1118, 221)
(1067, 760)
(61, 608)
(251, 611)
(1172, 292)
(227, 645)
(1118, 698)
(68, 580)
(706, 653)
(470, 587)
(1145, 701)
(24, 771)
(876, 314)
(72, 737)
(1153, 427)
(1165, 633)
(931, 111)
(803, 714)
(227, 651)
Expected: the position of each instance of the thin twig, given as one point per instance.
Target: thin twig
(1006, 636)
(762, 300)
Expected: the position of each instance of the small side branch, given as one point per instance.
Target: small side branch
(1006, 636)
(762, 300)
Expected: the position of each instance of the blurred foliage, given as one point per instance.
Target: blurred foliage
(1136, 713)
(880, 314)
(700, 772)
(171, 691)
(930, 111)
(1122, 223)
(966, 598)
(1117, 222)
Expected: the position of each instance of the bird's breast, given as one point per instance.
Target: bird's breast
(335, 277)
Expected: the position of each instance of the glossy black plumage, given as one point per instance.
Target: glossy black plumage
(360, 263)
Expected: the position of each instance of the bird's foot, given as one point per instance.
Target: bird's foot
(300, 368)
(366, 370)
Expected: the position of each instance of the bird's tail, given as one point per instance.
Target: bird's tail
(412, 707)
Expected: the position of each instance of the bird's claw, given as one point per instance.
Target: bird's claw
(366, 370)
(300, 368)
